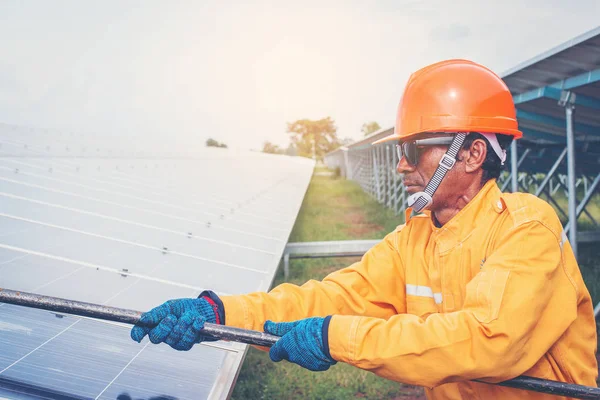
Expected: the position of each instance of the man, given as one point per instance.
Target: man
(480, 285)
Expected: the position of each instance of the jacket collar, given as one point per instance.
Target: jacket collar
(455, 231)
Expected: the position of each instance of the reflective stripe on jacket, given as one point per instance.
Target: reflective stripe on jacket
(493, 294)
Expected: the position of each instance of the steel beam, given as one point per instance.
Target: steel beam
(333, 248)
(569, 107)
(376, 173)
(578, 80)
(557, 122)
(550, 173)
(554, 93)
(550, 137)
(388, 177)
(349, 247)
(347, 167)
(395, 183)
(534, 94)
(514, 166)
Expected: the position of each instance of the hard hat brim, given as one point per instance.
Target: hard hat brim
(515, 133)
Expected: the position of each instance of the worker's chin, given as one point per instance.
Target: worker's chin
(413, 189)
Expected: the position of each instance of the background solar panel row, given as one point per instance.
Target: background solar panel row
(131, 224)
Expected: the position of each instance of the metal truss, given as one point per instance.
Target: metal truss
(553, 186)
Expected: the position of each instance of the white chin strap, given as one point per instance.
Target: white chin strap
(421, 200)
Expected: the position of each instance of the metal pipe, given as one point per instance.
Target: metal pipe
(388, 177)
(380, 171)
(330, 255)
(514, 166)
(124, 316)
(347, 167)
(552, 387)
(571, 179)
(254, 338)
(286, 266)
(376, 174)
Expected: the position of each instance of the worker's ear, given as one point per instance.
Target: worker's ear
(475, 156)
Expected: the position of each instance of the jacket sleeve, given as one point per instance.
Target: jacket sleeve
(515, 309)
(373, 286)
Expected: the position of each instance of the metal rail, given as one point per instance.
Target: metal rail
(332, 248)
(254, 338)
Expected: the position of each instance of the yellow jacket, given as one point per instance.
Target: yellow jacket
(493, 294)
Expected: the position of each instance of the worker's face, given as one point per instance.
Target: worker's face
(416, 177)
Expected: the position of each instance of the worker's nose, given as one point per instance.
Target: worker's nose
(403, 166)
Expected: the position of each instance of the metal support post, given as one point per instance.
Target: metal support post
(381, 174)
(509, 179)
(376, 173)
(395, 183)
(370, 173)
(514, 166)
(286, 266)
(381, 164)
(384, 159)
(388, 177)
(347, 166)
(567, 100)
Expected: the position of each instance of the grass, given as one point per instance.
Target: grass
(336, 209)
(333, 209)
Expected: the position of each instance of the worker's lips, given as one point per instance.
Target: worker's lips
(410, 185)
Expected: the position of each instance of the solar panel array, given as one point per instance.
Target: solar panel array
(131, 225)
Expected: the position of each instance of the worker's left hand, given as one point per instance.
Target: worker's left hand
(304, 342)
(177, 322)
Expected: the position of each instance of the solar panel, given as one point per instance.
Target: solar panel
(131, 229)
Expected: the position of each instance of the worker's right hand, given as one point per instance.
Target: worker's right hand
(177, 323)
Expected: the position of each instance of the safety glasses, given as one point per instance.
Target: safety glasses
(412, 150)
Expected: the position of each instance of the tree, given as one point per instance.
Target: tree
(271, 148)
(313, 138)
(370, 127)
(213, 143)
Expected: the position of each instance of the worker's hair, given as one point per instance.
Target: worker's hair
(492, 166)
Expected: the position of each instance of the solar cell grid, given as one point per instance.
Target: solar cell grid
(130, 231)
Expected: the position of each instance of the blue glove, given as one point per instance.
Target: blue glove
(179, 322)
(303, 342)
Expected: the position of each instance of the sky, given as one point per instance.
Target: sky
(238, 71)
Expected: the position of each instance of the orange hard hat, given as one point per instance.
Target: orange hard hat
(455, 96)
